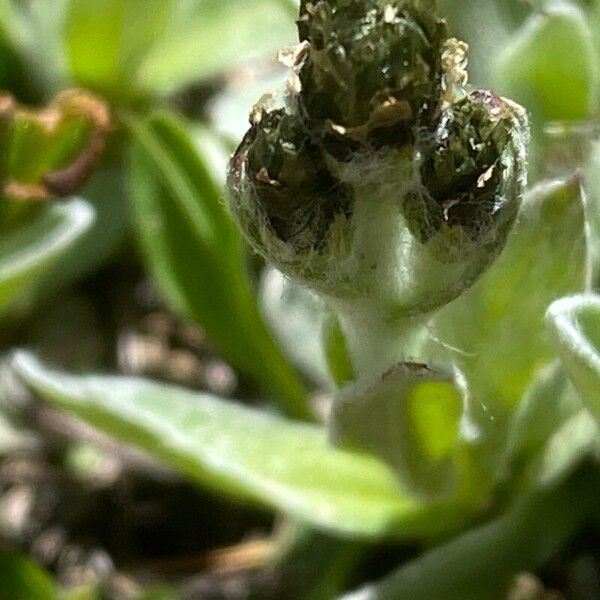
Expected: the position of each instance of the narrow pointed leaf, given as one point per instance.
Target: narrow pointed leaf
(593, 213)
(196, 255)
(483, 562)
(295, 316)
(546, 406)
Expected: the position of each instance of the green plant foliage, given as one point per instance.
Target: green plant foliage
(575, 326)
(551, 65)
(336, 350)
(135, 50)
(51, 151)
(295, 315)
(502, 341)
(27, 252)
(410, 419)
(460, 427)
(575, 439)
(126, 31)
(592, 182)
(206, 37)
(551, 433)
(106, 194)
(482, 563)
(196, 255)
(34, 29)
(246, 453)
(20, 579)
(152, 48)
(485, 31)
(547, 404)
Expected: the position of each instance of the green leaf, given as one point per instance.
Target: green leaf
(209, 36)
(592, 206)
(107, 40)
(108, 199)
(576, 439)
(20, 579)
(551, 65)
(551, 433)
(12, 69)
(245, 453)
(35, 28)
(196, 255)
(575, 326)
(410, 418)
(483, 562)
(546, 405)
(295, 315)
(336, 350)
(307, 330)
(314, 564)
(502, 340)
(52, 151)
(28, 252)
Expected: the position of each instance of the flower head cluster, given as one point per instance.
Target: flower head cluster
(380, 175)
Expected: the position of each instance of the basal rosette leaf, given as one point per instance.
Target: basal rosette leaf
(195, 253)
(246, 454)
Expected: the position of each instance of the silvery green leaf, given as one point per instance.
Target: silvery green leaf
(411, 419)
(482, 563)
(246, 454)
(495, 332)
(546, 405)
(296, 317)
(575, 326)
(550, 434)
(593, 214)
(551, 65)
(28, 252)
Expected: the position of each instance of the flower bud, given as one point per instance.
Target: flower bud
(380, 179)
(371, 71)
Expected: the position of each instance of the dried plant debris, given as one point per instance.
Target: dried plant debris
(51, 152)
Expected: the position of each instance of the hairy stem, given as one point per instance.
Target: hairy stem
(377, 341)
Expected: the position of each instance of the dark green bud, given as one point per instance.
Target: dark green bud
(372, 71)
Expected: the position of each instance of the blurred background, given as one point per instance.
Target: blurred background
(142, 286)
